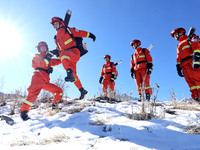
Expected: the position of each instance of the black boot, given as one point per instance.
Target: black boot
(24, 115)
(197, 100)
(148, 97)
(70, 77)
(83, 93)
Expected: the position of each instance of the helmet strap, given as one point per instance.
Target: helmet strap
(137, 46)
(59, 27)
(179, 36)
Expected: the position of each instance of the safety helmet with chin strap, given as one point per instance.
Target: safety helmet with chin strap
(57, 19)
(107, 56)
(42, 43)
(135, 41)
(178, 30)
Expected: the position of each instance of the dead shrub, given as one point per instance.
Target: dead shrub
(75, 109)
(37, 141)
(3, 103)
(170, 111)
(97, 122)
(193, 129)
(139, 116)
(186, 107)
(68, 102)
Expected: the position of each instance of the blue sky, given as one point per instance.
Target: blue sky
(115, 23)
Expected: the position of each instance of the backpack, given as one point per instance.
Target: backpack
(116, 74)
(79, 42)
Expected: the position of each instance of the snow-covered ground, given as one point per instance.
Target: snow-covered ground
(100, 126)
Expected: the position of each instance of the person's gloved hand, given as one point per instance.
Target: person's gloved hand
(48, 56)
(55, 52)
(149, 68)
(92, 36)
(100, 80)
(50, 70)
(179, 70)
(196, 58)
(112, 78)
(132, 73)
(149, 71)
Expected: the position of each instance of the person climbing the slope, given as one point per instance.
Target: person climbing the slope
(68, 50)
(41, 63)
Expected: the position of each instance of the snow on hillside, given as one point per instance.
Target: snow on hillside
(100, 126)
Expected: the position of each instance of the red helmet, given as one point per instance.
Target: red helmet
(135, 41)
(107, 56)
(42, 43)
(179, 30)
(57, 19)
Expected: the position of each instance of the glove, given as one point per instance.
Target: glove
(92, 36)
(149, 68)
(112, 78)
(196, 62)
(55, 52)
(132, 73)
(149, 71)
(50, 70)
(48, 56)
(179, 70)
(100, 80)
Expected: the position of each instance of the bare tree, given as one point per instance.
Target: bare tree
(16, 97)
(173, 98)
(1, 84)
(25, 92)
(61, 83)
(45, 96)
(2, 96)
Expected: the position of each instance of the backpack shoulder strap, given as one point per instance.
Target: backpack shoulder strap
(143, 50)
(132, 56)
(111, 64)
(67, 29)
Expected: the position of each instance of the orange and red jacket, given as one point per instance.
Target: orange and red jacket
(185, 50)
(39, 62)
(108, 69)
(65, 41)
(140, 59)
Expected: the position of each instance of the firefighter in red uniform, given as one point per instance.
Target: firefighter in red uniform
(41, 63)
(68, 50)
(141, 68)
(188, 64)
(108, 73)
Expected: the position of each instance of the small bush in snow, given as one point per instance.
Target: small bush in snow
(193, 129)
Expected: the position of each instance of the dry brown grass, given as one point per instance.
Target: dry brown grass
(75, 109)
(185, 106)
(36, 141)
(193, 129)
(97, 122)
(140, 116)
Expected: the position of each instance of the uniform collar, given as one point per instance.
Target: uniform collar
(108, 62)
(139, 48)
(183, 38)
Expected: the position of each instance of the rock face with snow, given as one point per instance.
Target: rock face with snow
(89, 124)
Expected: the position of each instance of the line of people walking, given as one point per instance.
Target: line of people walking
(68, 53)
